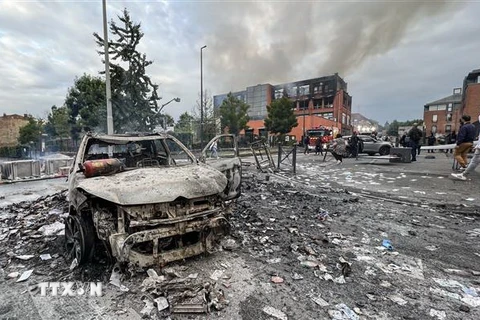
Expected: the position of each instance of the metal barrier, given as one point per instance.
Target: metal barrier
(286, 155)
(12, 170)
(263, 157)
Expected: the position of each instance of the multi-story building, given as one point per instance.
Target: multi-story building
(443, 116)
(10, 129)
(316, 102)
(471, 95)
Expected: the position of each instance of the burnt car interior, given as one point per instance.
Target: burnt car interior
(138, 154)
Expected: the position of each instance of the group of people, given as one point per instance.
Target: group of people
(338, 146)
(465, 138)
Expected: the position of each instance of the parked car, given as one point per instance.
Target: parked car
(371, 146)
(148, 199)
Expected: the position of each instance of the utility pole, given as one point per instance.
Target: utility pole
(201, 97)
(107, 71)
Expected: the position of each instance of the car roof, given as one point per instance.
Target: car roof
(129, 137)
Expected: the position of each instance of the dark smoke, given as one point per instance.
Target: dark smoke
(276, 42)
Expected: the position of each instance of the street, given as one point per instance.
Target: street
(310, 246)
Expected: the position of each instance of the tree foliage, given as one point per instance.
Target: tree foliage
(86, 105)
(392, 129)
(184, 123)
(31, 132)
(233, 114)
(58, 123)
(281, 118)
(134, 95)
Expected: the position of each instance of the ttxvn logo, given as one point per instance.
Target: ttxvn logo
(94, 289)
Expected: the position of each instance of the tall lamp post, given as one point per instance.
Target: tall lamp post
(201, 96)
(304, 110)
(107, 71)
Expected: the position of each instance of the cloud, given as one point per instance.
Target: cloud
(395, 55)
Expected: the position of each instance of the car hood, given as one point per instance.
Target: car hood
(156, 185)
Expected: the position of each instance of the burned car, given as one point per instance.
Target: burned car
(147, 199)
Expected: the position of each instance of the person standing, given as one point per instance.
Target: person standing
(353, 144)
(415, 135)
(474, 162)
(465, 138)
(318, 146)
(431, 141)
(214, 150)
(338, 148)
(452, 139)
(306, 142)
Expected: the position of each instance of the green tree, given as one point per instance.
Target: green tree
(58, 124)
(392, 129)
(281, 118)
(233, 114)
(184, 123)
(134, 95)
(86, 105)
(31, 132)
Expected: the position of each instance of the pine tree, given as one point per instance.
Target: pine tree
(134, 95)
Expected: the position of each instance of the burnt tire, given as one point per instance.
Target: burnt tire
(79, 238)
(384, 151)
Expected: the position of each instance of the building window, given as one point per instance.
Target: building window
(449, 117)
(434, 129)
(448, 128)
(449, 108)
(434, 118)
(348, 120)
(344, 118)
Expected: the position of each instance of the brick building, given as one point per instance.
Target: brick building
(316, 102)
(471, 95)
(10, 129)
(443, 116)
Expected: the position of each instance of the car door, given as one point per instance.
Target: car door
(368, 145)
(222, 154)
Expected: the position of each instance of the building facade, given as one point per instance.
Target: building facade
(316, 102)
(10, 129)
(443, 116)
(471, 95)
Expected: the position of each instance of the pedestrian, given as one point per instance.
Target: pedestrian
(318, 146)
(213, 150)
(474, 162)
(353, 144)
(403, 140)
(452, 139)
(465, 138)
(338, 148)
(431, 141)
(415, 135)
(306, 142)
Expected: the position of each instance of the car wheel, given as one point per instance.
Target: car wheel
(371, 153)
(384, 150)
(79, 238)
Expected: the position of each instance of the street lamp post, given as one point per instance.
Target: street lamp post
(201, 96)
(177, 99)
(107, 71)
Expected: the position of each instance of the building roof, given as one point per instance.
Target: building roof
(472, 75)
(450, 99)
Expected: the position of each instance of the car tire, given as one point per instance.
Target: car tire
(384, 151)
(371, 153)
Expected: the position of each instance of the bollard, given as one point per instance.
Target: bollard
(294, 159)
(279, 155)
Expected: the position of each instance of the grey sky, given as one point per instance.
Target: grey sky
(395, 55)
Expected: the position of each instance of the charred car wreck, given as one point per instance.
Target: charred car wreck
(148, 199)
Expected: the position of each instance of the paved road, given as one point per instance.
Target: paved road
(426, 179)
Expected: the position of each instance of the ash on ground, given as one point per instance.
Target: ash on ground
(295, 252)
